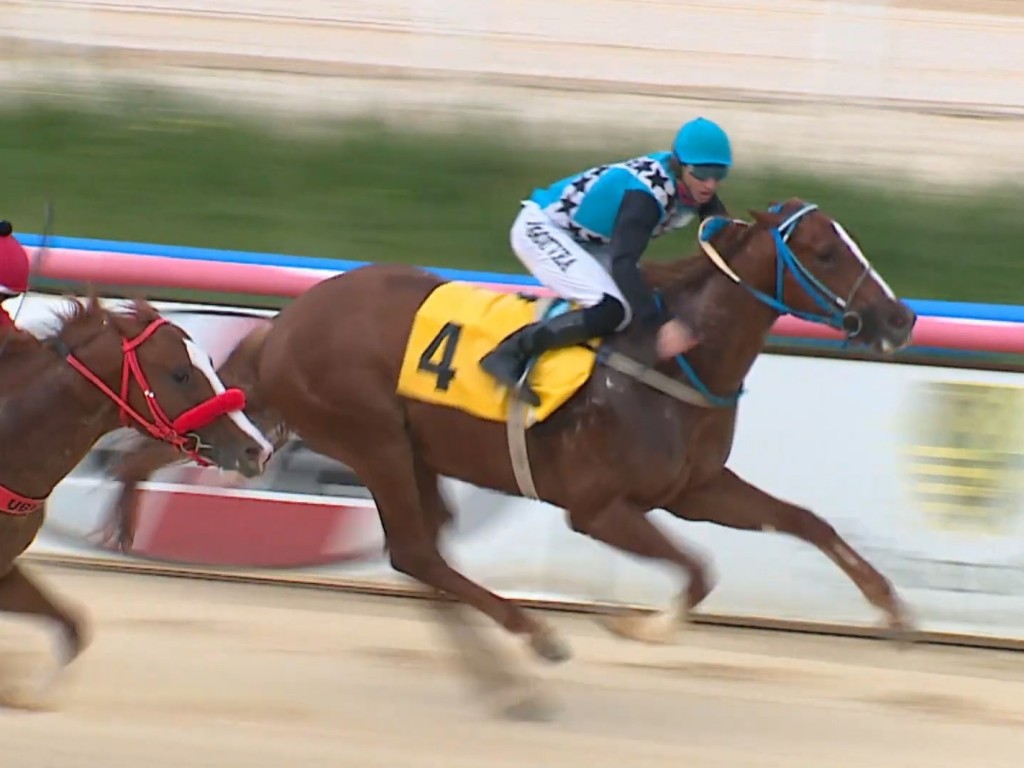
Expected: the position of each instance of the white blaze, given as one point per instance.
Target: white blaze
(863, 259)
(202, 361)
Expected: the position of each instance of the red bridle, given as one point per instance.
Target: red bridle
(180, 432)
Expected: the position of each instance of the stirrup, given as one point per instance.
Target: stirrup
(515, 380)
(524, 392)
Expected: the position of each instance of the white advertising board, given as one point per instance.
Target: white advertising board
(918, 468)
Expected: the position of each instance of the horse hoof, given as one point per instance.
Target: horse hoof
(550, 646)
(657, 629)
(901, 633)
(33, 699)
(44, 691)
(900, 629)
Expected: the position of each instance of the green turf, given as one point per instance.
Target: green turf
(141, 170)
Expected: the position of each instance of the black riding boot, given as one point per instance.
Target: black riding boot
(508, 360)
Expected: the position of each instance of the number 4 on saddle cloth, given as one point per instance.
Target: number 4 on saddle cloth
(457, 325)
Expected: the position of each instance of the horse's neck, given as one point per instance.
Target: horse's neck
(48, 421)
(733, 326)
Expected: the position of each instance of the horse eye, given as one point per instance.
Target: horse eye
(181, 375)
(828, 255)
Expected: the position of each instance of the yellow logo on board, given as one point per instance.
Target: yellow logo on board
(968, 457)
(455, 327)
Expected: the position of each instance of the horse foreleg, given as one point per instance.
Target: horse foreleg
(119, 525)
(625, 526)
(730, 501)
(22, 594)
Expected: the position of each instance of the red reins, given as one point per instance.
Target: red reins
(179, 432)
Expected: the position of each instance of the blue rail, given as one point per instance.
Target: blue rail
(952, 309)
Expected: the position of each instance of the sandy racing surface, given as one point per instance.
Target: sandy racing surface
(190, 673)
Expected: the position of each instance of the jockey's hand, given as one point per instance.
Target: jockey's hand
(675, 338)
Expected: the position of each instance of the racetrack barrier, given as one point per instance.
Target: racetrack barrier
(967, 327)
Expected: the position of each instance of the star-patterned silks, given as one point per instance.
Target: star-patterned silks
(647, 170)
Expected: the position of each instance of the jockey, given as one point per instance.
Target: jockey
(14, 268)
(583, 237)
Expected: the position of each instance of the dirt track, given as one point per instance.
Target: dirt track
(196, 674)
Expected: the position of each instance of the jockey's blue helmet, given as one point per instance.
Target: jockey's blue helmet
(702, 142)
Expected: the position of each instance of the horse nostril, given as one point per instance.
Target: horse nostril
(902, 318)
(254, 452)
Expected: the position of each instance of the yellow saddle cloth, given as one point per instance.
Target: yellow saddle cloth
(455, 327)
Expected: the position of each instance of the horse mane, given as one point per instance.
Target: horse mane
(76, 315)
(691, 272)
(79, 313)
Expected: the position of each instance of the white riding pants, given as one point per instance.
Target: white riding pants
(560, 263)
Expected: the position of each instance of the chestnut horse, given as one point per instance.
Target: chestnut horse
(102, 369)
(329, 362)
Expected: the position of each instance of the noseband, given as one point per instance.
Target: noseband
(181, 431)
(836, 312)
(835, 309)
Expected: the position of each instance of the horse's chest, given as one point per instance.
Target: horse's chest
(654, 440)
(702, 449)
(714, 438)
(700, 446)
(665, 440)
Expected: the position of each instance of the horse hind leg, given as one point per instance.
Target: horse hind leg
(513, 694)
(730, 501)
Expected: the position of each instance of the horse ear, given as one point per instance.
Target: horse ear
(122, 324)
(92, 300)
(766, 218)
(93, 308)
(143, 309)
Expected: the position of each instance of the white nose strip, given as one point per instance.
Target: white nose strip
(202, 361)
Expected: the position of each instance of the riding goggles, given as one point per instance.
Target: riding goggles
(705, 172)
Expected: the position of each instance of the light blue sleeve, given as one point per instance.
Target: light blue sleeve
(600, 206)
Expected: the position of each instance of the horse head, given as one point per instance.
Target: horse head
(799, 261)
(175, 383)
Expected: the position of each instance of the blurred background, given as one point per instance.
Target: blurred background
(408, 130)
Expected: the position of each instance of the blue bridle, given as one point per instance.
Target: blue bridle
(834, 308)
